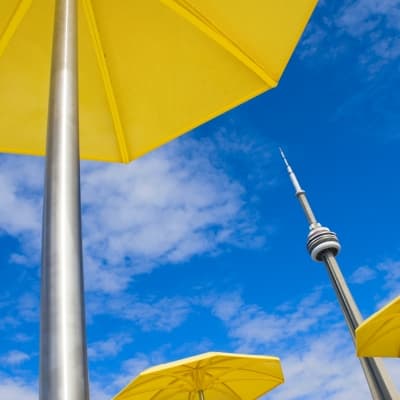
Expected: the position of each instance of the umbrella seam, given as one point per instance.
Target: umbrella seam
(378, 333)
(105, 74)
(192, 15)
(270, 377)
(154, 396)
(161, 375)
(13, 24)
(229, 389)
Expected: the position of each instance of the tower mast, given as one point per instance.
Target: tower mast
(323, 246)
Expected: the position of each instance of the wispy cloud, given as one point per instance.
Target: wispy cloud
(14, 357)
(165, 208)
(163, 314)
(21, 186)
(359, 17)
(28, 307)
(253, 329)
(15, 389)
(386, 272)
(371, 25)
(322, 366)
(309, 336)
(108, 348)
(130, 368)
(391, 271)
(19, 309)
(362, 274)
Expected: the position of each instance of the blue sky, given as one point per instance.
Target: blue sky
(200, 245)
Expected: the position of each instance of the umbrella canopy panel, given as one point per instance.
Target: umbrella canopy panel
(150, 70)
(379, 335)
(220, 376)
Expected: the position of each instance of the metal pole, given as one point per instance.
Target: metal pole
(63, 360)
(380, 384)
(201, 395)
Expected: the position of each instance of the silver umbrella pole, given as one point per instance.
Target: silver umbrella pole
(63, 360)
(323, 246)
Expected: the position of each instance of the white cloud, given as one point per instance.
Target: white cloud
(18, 310)
(19, 259)
(14, 357)
(252, 329)
(224, 306)
(391, 272)
(163, 314)
(322, 367)
(28, 307)
(20, 202)
(316, 350)
(363, 16)
(21, 181)
(133, 366)
(108, 348)
(98, 392)
(362, 274)
(388, 272)
(373, 23)
(8, 322)
(15, 389)
(22, 338)
(378, 23)
(313, 37)
(130, 368)
(164, 208)
(203, 345)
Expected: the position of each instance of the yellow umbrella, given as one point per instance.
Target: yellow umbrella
(149, 70)
(209, 376)
(379, 335)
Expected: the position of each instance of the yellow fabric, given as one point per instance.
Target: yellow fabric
(379, 335)
(150, 70)
(221, 376)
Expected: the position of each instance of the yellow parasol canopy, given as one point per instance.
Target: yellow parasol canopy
(379, 335)
(209, 376)
(150, 70)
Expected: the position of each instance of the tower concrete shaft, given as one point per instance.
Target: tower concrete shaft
(323, 246)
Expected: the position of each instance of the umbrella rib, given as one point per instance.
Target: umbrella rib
(105, 74)
(157, 376)
(13, 24)
(154, 396)
(217, 378)
(378, 333)
(192, 15)
(224, 385)
(230, 390)
(243, 367)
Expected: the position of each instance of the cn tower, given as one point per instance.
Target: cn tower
(323, 246)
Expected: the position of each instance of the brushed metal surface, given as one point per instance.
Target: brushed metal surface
(63, 359)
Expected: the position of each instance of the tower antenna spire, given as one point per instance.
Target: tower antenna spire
(300, 194)
(323, 245)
